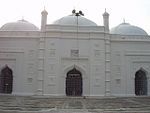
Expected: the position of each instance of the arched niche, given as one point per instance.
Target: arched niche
(6, 80)
(141, 82)
(74, 83)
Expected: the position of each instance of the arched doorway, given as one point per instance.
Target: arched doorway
(140, 83)
(6, 80)
(74, 83)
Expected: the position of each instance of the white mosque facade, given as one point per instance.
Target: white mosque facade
(74, 57)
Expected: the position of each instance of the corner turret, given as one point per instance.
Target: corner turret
(106, 21)
(44, 14)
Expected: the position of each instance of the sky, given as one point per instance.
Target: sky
(135, 12)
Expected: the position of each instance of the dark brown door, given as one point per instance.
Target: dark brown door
(140, 83)
(6, 80)
(74, 83)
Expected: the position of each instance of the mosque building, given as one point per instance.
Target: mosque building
(74, 56)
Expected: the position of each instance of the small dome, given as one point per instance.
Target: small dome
(127, 29)
(21, 25)
(44, 12)
(72, 20)
(105, 13)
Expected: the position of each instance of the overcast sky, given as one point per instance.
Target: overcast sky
(135, 12)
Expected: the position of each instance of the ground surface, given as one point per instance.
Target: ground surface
(40, 104)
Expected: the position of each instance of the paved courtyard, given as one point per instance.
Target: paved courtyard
(41, 104)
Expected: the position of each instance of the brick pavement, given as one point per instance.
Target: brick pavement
(41, 104)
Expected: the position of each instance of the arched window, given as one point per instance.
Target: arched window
(6, 80)
(74, 83)
(140, 83)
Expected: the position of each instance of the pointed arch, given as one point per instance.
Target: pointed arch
(74, 83)
(78, 67)
(141, 82)
(6, 80)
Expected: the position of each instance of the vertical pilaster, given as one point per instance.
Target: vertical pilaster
(41, 53)
(107, 64)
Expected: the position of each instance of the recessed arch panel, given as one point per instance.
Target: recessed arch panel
(140, 83)
(6, 80)
(74, 83)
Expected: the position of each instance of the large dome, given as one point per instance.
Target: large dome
(74, 20)
(21, 25)
(127, 29)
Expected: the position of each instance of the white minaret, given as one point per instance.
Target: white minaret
(44, 14)
(106, 21)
